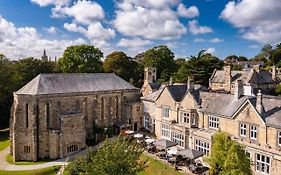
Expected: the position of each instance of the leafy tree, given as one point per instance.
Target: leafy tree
(266, 51)
(162, 58)
(81, 59)
(122, 65)
(231, 58)
(119, 157)
(276, 54)
(242, 58)
(228, 156)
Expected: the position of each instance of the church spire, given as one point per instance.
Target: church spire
(44, 57)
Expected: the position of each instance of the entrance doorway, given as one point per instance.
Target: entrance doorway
(135, 126)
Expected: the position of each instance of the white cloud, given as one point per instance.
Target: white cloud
(257, 20)
(190, 12)
(135, 42)
(95, 32)
(255, 46)
(195, 29)
(51, 30)
(216, 40)
(43, 3)
(83, 12)
(26, 41)
(150, 19)
(197, 40)
(210, 50)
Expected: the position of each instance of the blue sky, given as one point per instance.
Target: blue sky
(187, 26)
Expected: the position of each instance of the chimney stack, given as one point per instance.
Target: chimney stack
(190, 84)
(227, 80)
(257, 68)
(171, 81)
(259, 105)
(273, 73)
(238, 89)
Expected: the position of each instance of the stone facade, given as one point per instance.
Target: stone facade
(57, 124)
(195, 115)
(252, 80)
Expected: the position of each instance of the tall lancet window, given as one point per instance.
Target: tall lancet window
(48, 115)
(26, 115)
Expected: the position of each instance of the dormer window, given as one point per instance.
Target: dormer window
(165, 111)
(184, 117)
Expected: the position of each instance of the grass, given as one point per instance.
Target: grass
(45, 171)
(155, 167)
(9, 159)
(4, 139)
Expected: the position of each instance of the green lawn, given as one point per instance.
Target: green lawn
(155, 167)
(45, 171)
(9, 159)
(4, 139)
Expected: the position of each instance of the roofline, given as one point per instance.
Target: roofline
(244, 104)
(213, 74)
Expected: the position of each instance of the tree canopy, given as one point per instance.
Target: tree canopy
(119, 157)
(162, 58)
(228, 157)
(81, 59)
(122, 65)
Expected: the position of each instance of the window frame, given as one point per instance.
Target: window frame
(185, 115)
(279, 138)
(165, 111)
(202, 146)
(243, 130)
(178, 138)
(213, 122)
(254, 132)
(262, 163)
(146, 122)
(165, 131)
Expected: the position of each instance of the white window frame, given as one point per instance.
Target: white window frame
(202, 146)
(178, 138)
(253, 132)
(165, 131)
(279, 138)
(262, 163)
(213, 122)
(165, 111)
(184, 115)
(243, 130)
(193, 119)
(146, 122)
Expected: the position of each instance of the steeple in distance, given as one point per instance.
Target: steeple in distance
(44, 56)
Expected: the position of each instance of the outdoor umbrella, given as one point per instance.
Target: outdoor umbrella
(149, 140)
(164, 144)
(138, 136)
(191, 153)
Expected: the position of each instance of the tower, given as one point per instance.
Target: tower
(150, 75)
(44, 56)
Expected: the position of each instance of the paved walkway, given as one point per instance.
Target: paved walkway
(4, 165)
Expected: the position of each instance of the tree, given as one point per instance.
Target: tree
(266, 51)
(162, 58)
(122, 65)
(276, 54)
(119, 157)
(242, 58)
(228, 156)
(81, 59)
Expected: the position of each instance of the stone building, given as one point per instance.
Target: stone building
(252, 80)
(54, 114)
(150, 84)
(191, 116)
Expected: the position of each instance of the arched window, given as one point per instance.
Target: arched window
(117, 107)
(102, 108)
(26, 115)
(48, 115)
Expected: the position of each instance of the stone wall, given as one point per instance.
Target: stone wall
(58, 121)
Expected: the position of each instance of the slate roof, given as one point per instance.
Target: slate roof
(74, 82)
(221, 104)
(272, 110)
(155, 85)
(154, 95)
(263, 77)
(177, 91)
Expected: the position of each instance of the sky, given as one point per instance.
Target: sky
(221, 27)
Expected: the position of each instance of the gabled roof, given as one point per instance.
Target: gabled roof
(221, 104)
(74, 82)
(154, 95)
(261, 77)
(177, 91)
